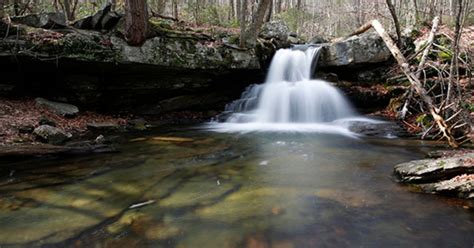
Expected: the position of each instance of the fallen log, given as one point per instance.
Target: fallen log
(414, 81)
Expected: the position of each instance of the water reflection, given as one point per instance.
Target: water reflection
(227, 190)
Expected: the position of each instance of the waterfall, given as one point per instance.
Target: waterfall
(289, 95)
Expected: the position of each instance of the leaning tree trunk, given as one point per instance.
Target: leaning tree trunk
(453, 70)
(395, 21)
(135, 22)
(415, 82)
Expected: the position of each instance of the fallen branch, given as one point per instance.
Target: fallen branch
(415, 82)
(141, 204)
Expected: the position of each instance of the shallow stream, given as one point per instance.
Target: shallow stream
(196, 188)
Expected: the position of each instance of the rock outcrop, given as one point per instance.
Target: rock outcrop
(452, 175)
(367, 48)
(177, 68)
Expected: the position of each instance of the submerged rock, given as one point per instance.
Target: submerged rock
(104, 127)
(51, 135)
(59, 108)
(452, 176)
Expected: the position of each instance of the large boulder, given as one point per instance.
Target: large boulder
(275, 29)
(51, 135)
(104, 19)
(64, 109)
(51, 20)
(367, 48)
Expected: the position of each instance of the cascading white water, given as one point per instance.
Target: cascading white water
(289, 95)
(290, 101)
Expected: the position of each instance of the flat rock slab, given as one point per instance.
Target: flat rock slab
(461, 186)
(453, 176)
(104, 127)
(63, 109)
(433, 170)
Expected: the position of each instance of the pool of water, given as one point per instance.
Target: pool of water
(207, 189)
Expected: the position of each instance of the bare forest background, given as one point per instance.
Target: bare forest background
(308, 18)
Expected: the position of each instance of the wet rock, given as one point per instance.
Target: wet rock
(460, 186)
(100, 139)
(137, 124)
(63, 109)
(51, 135)
(51, 20)
(104, 127)
(367, 48)
(435, 170)
(317, 40)
(385, 129)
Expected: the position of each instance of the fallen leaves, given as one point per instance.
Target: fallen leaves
(18, 113)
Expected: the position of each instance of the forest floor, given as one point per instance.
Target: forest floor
(19, 117)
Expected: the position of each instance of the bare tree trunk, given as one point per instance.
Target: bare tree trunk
(411, 16)
(135, 22)
(453, 69)
(238, 9)
(278, 6)
(268, 15)
(67, 9)
(434, 30)
(114, 4)
(2, 5)
(443, 127)
(243, 14)
(16, 6)
(160, 8)
(257, 22)
(357, 12)
(232, 10)
(395, 21)
(175, 10)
